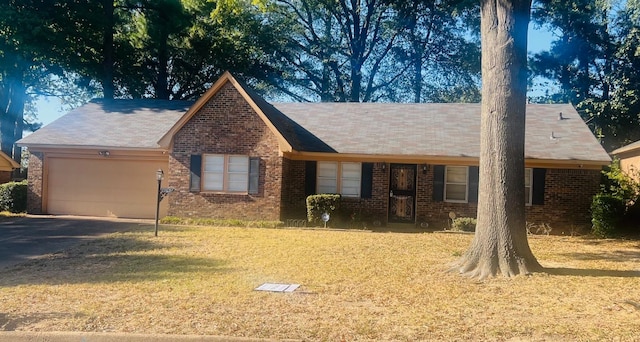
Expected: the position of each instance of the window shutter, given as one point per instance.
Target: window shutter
(474, 174)
(310, 178)
(254, 175)
(366, 181)
(196, 168)
(438, 183)
(538, 186)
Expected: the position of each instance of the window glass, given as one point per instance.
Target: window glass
(327, 178)
(226, 173)
(455, 187)
(527, 185)
(350, 179)
(213, 177)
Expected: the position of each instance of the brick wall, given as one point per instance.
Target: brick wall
(567, 198)
(34, 189)
(226, 125)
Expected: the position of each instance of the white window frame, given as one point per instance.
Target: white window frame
(466, 184)
(226, 173)
(323, 178)
(339, 178)
(344, 179)
(529, 200)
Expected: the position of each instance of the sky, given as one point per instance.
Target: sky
(49, 108)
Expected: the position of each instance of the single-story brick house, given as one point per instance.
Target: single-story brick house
(231, 154)
(629, 156)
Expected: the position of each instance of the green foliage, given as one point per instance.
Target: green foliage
(13, 197)
(606, 212)
(320, 204)
(464, 224)
(609, 208)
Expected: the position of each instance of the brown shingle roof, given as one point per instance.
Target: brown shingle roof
(135, 124)
(437, 129)
(425, 130)
(627, 148)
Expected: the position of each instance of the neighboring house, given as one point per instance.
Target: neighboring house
(233, 155)
(7, 165)
(629, 156)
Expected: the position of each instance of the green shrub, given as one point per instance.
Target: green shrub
(606, 212)
(13, 197)
(615, 202)
(464, 224)
(320, 204)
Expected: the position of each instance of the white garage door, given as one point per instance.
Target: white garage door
(103, 187)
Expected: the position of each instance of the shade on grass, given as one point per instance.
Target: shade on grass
(354, 286)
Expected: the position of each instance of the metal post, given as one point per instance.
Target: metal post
(158, 205)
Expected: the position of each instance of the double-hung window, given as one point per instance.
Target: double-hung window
(528, 180)
(456, 180)
(339, 177)
(225, 173)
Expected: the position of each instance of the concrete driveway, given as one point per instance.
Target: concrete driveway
(24, 238)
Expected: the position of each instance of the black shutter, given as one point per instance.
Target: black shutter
(196, 168)
(366, 181)
(438, 183)
(538, 186)
(310, 177)
(254, 175)
(474, 174)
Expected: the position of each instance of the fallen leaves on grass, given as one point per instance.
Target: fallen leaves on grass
(355, 286)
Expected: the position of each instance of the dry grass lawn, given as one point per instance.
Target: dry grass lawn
(355, 286)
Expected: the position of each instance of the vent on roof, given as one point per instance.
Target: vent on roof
(560, 116)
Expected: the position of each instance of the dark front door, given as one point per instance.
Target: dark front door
(402, 193)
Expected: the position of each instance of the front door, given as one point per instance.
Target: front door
(402, 193)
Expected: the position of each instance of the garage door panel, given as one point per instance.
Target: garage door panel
(103, 187)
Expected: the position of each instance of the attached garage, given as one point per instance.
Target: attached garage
(101, 159)
(102, 187)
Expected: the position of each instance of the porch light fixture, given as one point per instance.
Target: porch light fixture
(425, 168)
(161, 194)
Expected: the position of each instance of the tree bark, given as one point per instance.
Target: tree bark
(500, 245)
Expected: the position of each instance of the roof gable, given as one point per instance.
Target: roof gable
(260, 106)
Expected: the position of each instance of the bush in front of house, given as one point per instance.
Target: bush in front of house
(606, 213)
(13, 197)
(610, 207)
(320, 204)
(464, 224)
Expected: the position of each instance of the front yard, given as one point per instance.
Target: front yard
(355, 285)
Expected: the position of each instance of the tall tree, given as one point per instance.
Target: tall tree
(500, 245)
(592, 59)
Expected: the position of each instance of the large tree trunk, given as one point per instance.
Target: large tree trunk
(500, 244)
